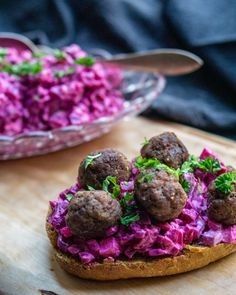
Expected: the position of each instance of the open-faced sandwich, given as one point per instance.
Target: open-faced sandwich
(163, 213)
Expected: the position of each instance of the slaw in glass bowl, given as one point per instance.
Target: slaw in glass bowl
(138, 89)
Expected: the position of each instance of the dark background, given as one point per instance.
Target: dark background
(205, 99)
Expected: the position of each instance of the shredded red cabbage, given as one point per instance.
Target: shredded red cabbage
(144, 238)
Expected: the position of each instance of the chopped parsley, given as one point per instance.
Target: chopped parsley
(87, 61)
(224, 183)
(61, 74)
(90, 188)
(155, 164)
(190, 165)
(126, 199)
(59, 54)
(3, 53)
(109, 182)
(130, 215)
(145, 142)
(208, 165)
(69, 196)
(22, 69)
(38, 54)
(147, 177)
(185, 184)
(90, 159)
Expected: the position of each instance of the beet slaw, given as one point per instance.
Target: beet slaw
(57, 89)
(143, 238)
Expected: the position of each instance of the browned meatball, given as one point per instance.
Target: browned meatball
(167, 148)
(108, 162)
(222, 207)
(90, 213)
(160, 194)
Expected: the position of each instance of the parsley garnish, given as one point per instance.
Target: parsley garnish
(126, 199)
(3, 53)
(155, 164)
(147, 177)
(59, 54)
(87, 61)
(22, 69)
(224, 183)
(190, 165)
(145, 142)
(67, 72)
(130, 215)
(210, 164)
(37, 54)
(90, 188)
(69, 196)
(90, 159)
(111, 181)
(185, 184)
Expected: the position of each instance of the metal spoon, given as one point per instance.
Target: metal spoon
(168, 62)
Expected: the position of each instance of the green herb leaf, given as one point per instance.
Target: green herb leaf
(155, 164)
(90, 159)
(111, 181)
(145, 142)
(141, 162)
(190, 165)
(224, 183)
(87, 61)
(22, 69)
(126, 199)
(60, 74)
(147, 177)
(69, 196)
(130, 215)
(185, 184)
(3, 53)
(59, 54)
(38, 54)
(126, 220)
(210, 164)
(90, 188)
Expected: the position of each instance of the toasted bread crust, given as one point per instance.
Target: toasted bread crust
(192, 257)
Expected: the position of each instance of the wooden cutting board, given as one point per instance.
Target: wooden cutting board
(26, 186)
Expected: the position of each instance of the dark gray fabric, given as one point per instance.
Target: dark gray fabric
(205, 99)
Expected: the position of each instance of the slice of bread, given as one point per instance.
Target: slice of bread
(192, 257)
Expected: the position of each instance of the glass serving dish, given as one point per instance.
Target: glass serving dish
(139, 90)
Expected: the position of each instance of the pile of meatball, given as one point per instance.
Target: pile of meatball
(91, 212)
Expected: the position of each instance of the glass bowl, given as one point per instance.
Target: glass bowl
(139, 90)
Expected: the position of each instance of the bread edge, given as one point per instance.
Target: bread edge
(192, 257)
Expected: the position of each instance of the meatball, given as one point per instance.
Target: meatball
(160, 194)
(221, 206)
(107, 162)
(90, 213)
(167, 148)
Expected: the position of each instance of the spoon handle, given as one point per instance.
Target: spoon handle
(168, 62)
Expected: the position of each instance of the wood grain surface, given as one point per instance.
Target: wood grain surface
(26, 260)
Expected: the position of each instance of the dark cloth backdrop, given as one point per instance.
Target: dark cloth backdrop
(205, 99)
